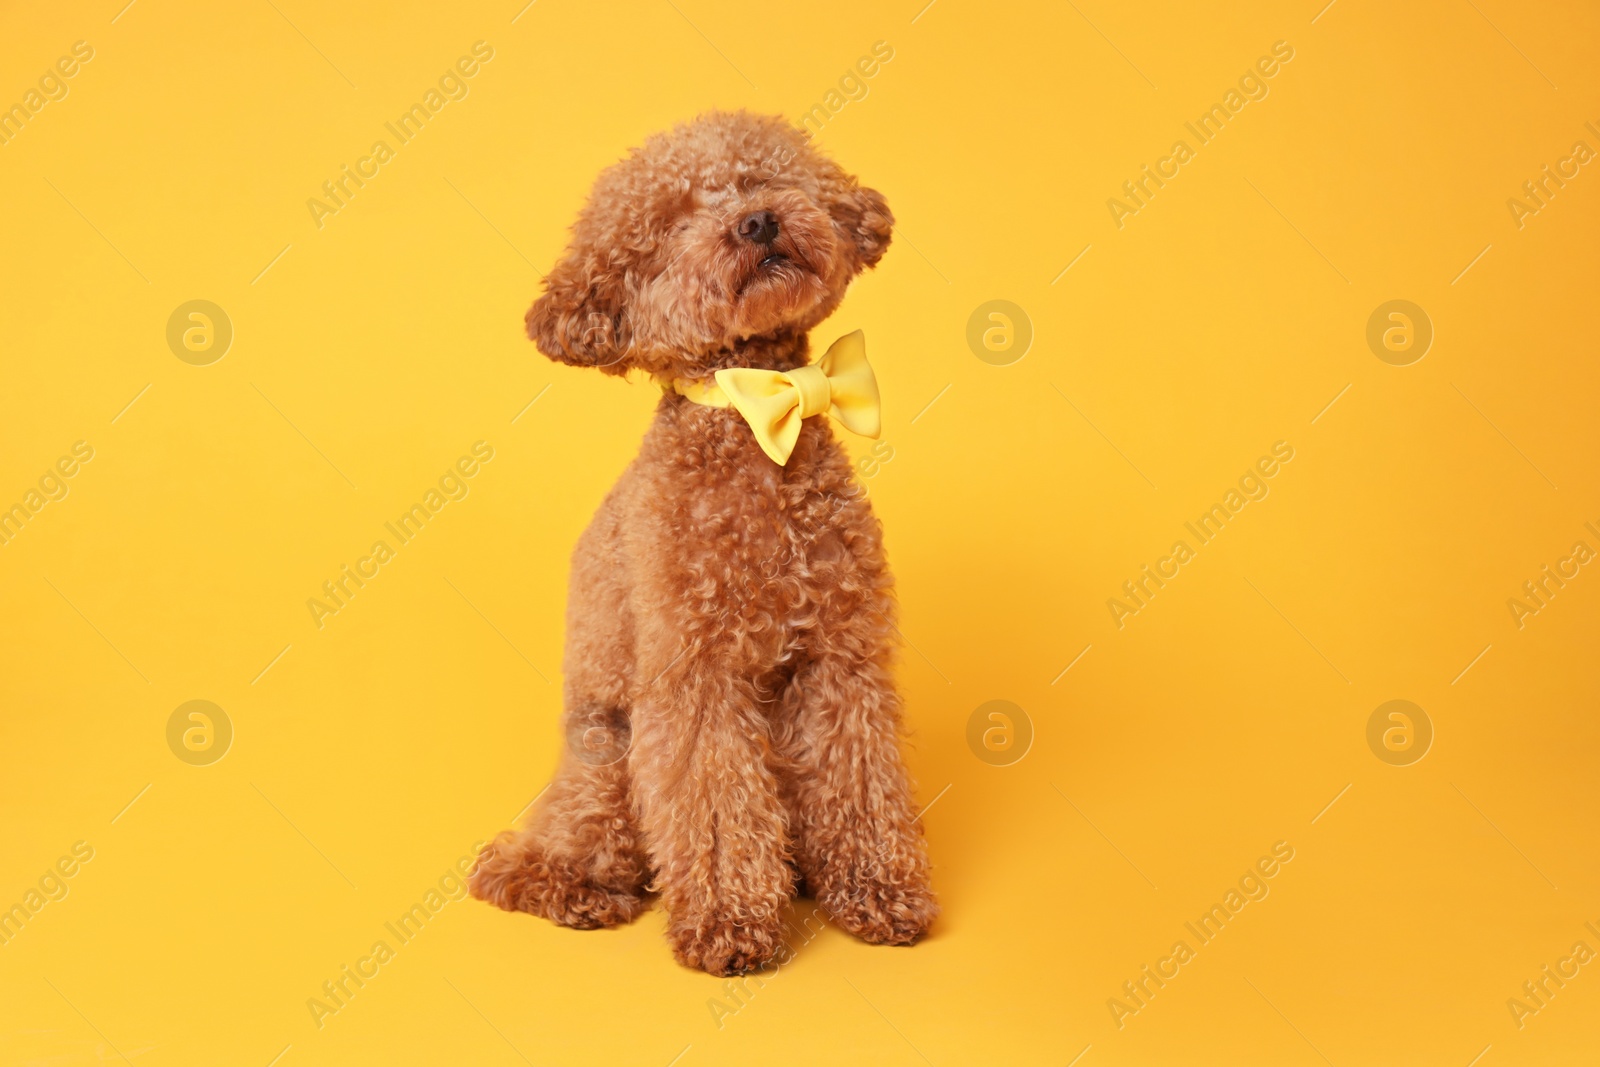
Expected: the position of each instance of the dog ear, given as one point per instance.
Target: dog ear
(580, 319)
(865, 215)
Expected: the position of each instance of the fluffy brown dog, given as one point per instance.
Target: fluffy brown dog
(729, 702)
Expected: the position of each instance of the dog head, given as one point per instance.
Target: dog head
(724, 229)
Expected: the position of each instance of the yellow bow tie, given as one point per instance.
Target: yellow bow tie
(841, 383)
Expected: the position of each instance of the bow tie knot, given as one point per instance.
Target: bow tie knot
(816, 392)
(774, 403)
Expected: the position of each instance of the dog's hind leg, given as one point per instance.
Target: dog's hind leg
(579, 861)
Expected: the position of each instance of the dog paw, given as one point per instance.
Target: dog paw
(725, 948)
(884, 914)
(515, 877)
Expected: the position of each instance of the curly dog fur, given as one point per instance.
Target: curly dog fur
(730, 708)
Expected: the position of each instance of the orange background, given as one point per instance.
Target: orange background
(1229, 714)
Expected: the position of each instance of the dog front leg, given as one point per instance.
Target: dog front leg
(714, 827)
(858, 844)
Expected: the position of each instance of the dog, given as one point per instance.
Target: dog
(730, 707)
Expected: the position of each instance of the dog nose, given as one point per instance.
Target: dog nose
(762, 228)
